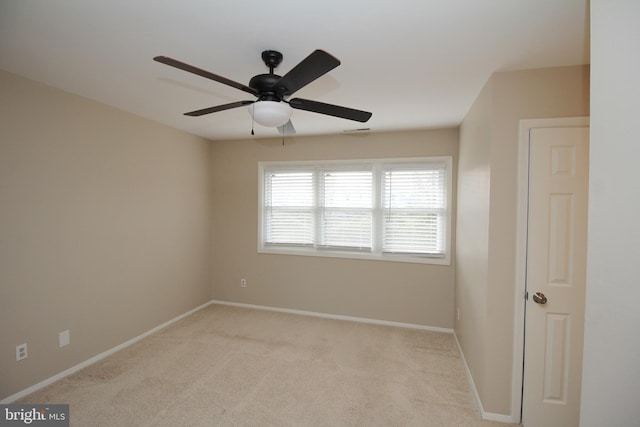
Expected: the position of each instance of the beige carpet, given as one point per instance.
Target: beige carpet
(241, 367)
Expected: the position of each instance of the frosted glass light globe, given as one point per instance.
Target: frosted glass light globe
(270, 113)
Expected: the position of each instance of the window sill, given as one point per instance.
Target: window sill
(407, 258)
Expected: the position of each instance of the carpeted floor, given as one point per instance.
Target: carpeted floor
(242, 367)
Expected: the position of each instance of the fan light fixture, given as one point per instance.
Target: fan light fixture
(270, 113)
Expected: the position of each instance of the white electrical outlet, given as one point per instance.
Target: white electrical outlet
(21, 351)
(243, 283)
(64, 338)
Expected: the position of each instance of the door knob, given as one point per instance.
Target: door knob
(539, 298)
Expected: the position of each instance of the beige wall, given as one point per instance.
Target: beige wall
(486, 327)
(105, 228)
(472, 247)
(383, 290)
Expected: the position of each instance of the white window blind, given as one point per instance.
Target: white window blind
(414, 209)
(346, 215)
(289, 207)
(394, 209)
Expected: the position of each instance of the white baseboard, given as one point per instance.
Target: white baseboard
(97, 358)
(337, 317)
(490, 416)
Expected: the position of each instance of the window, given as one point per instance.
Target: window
(392, 209)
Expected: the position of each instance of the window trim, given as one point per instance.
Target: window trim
(377, 164)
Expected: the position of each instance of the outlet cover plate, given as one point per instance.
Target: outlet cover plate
(64, 338)
(21, 352)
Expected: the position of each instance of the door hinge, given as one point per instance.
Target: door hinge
(526, 295)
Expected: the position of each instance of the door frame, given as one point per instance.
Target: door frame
(525, 127)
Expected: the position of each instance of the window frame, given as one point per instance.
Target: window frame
(378, 167)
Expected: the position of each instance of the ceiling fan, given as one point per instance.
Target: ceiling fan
(273, 106)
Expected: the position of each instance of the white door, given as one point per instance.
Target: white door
(555, 276)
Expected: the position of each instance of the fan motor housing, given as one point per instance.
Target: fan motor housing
(264, 84)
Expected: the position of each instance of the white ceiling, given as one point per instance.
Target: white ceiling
(413, 63)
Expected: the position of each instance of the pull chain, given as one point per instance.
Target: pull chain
(252, 120)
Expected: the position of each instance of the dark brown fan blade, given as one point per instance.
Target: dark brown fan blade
(330, 109)
(217, 108)
(287, 129)
(313, 66)
(204, 73)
